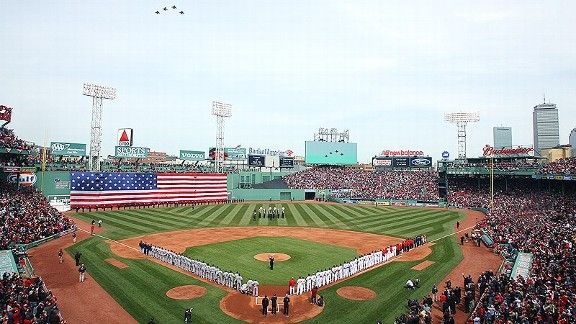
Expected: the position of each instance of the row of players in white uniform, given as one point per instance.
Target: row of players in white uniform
(199, 268)
(326, 277)
(234, 280)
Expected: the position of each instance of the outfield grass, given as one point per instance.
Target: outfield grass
(305, 257)
(141, 288)
(399, 222)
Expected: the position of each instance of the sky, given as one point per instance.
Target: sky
(387, 71)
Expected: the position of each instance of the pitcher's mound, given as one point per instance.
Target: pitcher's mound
(356, 293)
(277, 256)
(186, 292)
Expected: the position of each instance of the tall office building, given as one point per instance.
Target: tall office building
(572, 141)
(502, 137)
(545, 126)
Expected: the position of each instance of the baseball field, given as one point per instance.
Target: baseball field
(315, 236)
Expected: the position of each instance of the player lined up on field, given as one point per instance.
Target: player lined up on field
(203, 270)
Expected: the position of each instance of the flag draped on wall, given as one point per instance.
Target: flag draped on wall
(92, 189)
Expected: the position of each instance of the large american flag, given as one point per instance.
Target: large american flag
(128, 188)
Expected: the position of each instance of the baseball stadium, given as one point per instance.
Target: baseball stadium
(319, 240)
(136, 204)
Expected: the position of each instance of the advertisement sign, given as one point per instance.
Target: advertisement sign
(382, 162)
(271, 161)
(259, 151)
(256, 160)
(402, 153)
(286, 162)
(519, 151)
(445, 155)
(27, 179)
(330, 153)
(125, 137)
(131, 152)
(67, 149)
(421, 162)
(192, 155)
(401, 162)
(230, 153)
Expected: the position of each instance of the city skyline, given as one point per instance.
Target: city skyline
(386, 72)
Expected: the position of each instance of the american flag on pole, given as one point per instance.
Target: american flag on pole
(93, 189)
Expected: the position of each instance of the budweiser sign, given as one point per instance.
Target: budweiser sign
(402, 153)
(489, 150)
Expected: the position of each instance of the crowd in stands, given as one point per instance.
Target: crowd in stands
(499, 166)
(26, 216)
(531, 220)
(27, 301)
(562, 166)
(9, 140)
(366, 184)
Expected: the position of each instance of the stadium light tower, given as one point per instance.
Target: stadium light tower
(221, 111)
(97, 93)
(461, 119)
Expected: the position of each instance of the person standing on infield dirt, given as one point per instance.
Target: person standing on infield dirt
(265, 303)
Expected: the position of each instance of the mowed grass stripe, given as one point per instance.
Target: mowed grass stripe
(233, 213)
(296, 215)
(163, 217)
(413, 226)
(215, 212)
(319, 209)
(340, 212)
(315, 220)
(391, 218)
(114, 220)
(247, 216)
(421, 226)
(408, 221)
(152, 220)
(315, 217)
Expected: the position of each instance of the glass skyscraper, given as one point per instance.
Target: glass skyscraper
(545, 126)
(502, 137)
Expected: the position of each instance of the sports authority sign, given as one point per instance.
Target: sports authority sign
(402, 153)
(131, 152)
(519, 151)
(125, 136)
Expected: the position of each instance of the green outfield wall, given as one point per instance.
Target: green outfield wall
(267, 194)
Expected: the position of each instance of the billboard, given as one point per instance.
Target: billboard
(421, 162)
(230, 153)
(131, 152)
(272, 161)
(401, 162)
(192, 155)
(333, 153)
(67, 149)
(125, 137)
(286, 162)
(382, 162)
(256, 160)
